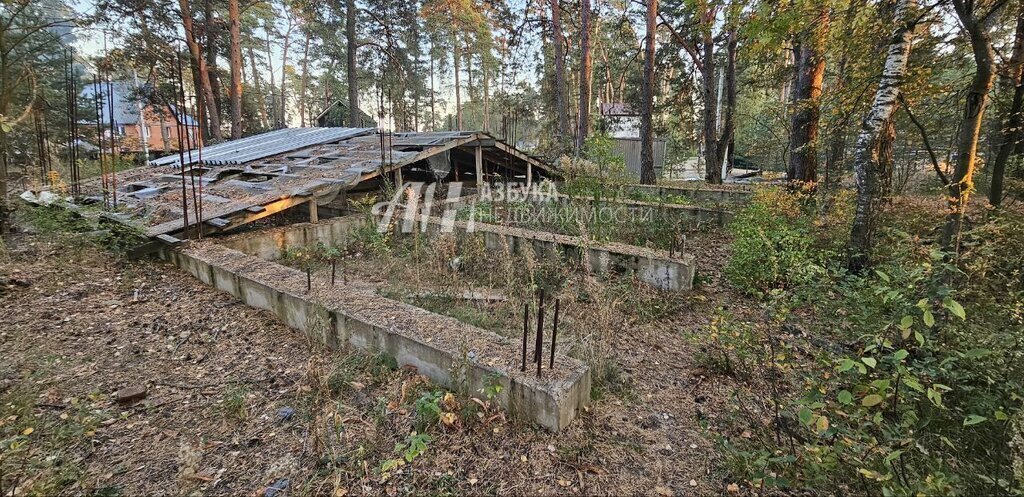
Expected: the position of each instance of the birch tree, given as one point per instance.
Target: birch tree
(866, 155)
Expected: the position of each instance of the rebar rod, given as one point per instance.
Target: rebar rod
(538, 353)
(526, 330)
(554, 334)
(98, 101)
(179, 88)
(114, 155)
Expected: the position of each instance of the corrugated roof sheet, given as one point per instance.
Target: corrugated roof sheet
(264, 145)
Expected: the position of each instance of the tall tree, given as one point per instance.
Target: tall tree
(647, 176)
(866, 161)
(699, 42)
(586, 74)
(351, 74)
(261, 98)
(561, 102)
(1011, 133)
(810, 73)
(976, 19)
(234, 18)
(204, 74)
(304, 85)
(289, 26)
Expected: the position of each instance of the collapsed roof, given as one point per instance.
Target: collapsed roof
(241, 181)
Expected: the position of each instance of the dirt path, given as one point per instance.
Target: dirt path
(217, 373)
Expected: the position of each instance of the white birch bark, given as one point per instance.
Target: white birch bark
(866, 154)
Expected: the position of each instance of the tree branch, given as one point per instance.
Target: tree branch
(924, 138)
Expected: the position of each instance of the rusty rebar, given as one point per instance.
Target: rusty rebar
(538, 353)
(180, 88)
(526, 330)
(114, 154)
(554, 333)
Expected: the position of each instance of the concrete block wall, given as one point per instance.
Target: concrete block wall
(269, 244)
(702, 195)
(451, 353)
(626, 210)
(654, 267)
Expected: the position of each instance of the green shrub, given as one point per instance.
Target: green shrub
(774, 244)
(914, 377)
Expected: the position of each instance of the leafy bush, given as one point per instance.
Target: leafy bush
(914, 375)
(775, 245)
(598, 173)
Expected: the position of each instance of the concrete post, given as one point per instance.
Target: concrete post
(398, 179)
(313, 215)
(529, 175)
(479, 166)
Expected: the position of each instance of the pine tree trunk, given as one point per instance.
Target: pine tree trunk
(803, 143)
(725, 143)
(1011, 131)
(561, 103)
(647, 176)
(487, 94)
(204, 75)
(433, 112)
(458, 93)
(234, 19)
(350, 67)
(305, 83)
(211, 55)
(709, 80)
(283, 119)
(273, 85)
(962, 180)
(866, 153)
(586, 75)
(261, 99)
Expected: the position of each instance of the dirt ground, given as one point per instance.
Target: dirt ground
(80, 324)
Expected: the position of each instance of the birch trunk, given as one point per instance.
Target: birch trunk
(866, 155)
